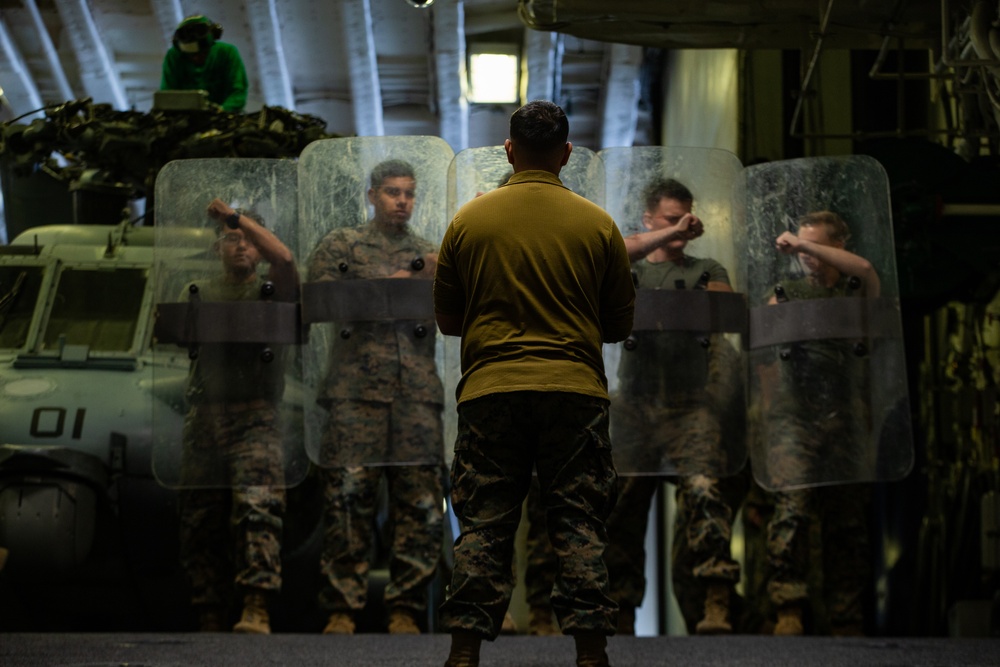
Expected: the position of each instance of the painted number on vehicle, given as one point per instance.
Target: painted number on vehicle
(51, 422)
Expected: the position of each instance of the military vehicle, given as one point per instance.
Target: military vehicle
(92, 535)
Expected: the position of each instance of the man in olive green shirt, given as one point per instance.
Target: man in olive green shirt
(533, 278)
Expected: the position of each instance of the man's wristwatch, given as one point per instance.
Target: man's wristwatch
(233, 220)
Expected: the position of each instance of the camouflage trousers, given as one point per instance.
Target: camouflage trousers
(701, 553)
(501, 439)
(625, 555)
(844, 548)
(415, 514)
(673, 434)
(682, 436)
(540, 560)
(231, 534)
(812, 438)
(372, 433)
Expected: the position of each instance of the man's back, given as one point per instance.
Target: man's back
(546, 277)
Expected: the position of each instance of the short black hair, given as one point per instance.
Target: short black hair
(665, 188)
(539, 127)
(391, 169)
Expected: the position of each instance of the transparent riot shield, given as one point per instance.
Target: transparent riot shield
(829, 394)
(473, 172)
(231, 319)
(678, 401)
(375, 392)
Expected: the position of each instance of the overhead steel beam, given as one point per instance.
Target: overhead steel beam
(366, 93)
(63, 88)
(16, 65)
(450, 73)
(543, 52)
(619, 102)
(169, 14)
(275, 81)
(97, 70)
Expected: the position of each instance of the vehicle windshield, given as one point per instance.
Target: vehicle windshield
(98, 309)
(19, 287)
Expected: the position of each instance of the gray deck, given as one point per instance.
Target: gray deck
(186, 650)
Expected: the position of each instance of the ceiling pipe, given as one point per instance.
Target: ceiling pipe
(450, 73)
(64, 90)
(619, 102)
(169, 15)
(97, 71)
(543, 64)
(16, 62)
(359, 42)
(272, 68)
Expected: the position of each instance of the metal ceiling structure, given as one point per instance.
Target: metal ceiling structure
(367, 67)
(748, 24)
(371, 67)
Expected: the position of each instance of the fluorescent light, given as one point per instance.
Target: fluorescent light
(493, 78)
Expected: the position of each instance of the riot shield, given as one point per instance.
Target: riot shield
(475, 171)
(371, 365)
(230, 319)
(828, 373)
(678, 401)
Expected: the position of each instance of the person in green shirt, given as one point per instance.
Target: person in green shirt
(199, 61)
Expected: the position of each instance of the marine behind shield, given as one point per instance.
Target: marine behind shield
(383, 398)
(232, 438)
(669, 415)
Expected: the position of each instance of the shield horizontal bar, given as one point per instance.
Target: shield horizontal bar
(818, 319)
(690, 310)
(273, 322)
(372, 300)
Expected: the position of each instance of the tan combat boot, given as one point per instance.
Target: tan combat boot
(340, 623)
(464, 650)
(716, 621)
(789, 621)
(590, 650)
(541, 623)
(255, 619)
(402, 622)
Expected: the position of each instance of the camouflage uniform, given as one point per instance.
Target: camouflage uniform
(701, 541)
(384, 399)
(495, 453)
(541, 564)
(811, 426)
(671, 380)
(232, 440)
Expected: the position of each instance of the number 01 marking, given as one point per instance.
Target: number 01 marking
(50, 422)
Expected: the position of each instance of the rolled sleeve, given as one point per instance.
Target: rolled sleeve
(449, 295)
(617, 292)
